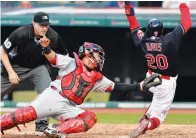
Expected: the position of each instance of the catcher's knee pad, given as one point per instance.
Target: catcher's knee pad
(81, 123)
(20, 116)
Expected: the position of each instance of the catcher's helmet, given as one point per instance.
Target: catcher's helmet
(155, 25)
(93, 48)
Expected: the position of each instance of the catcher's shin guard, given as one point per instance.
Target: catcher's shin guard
(20, 116)
(80, 123)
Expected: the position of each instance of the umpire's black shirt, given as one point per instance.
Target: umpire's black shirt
(24, 49)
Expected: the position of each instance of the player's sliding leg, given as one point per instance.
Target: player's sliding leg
(20, 116)
(144, 125)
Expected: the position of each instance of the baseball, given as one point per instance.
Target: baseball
(156, 80)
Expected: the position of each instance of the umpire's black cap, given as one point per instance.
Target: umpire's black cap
(41, 18)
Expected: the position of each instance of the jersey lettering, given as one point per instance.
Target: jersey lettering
(150, 59)
(154, 47)
(7, 43)
(160, 59)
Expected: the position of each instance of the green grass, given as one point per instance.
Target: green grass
(129, 118)
(27, 96)
(114, 118)
(118, 118)
(125, 118)
(133, 118)
(181, 119)
(24, 96)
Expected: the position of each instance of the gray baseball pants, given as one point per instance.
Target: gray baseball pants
(39, 76)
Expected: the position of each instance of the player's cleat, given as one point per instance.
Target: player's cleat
(141, 129)
(144, 117)
(53, 133)
(41, 125)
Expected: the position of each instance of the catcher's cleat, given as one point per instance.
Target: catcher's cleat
(41, 125)
(55, 125)
(53, 133)
(141, 129)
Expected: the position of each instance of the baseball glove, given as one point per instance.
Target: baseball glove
(153, 80)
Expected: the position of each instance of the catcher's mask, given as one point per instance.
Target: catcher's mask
(155, 28)
(98, 59)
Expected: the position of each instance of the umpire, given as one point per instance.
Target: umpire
(22, 58)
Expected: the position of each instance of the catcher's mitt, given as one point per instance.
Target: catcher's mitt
(153, 80)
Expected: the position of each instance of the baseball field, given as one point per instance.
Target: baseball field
(118, 123)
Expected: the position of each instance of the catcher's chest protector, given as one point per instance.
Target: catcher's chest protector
(77, 84)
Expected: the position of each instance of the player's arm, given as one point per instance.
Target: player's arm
(108, 86)
(145, 85)
(56, 60)
(185, 23)
(185, 20)
(123, 87)
(13, 77)
(130, 13)
(137, 33)
(9, 44)
(5, 60)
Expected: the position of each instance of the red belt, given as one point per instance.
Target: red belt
(54, 88)
(162, 76)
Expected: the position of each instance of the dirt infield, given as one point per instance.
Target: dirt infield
(115, 130)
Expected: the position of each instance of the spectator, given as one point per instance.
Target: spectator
(174, 4)
(25, 4)
(150, 3)
(119, 4)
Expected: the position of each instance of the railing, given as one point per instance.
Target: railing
(138, 105)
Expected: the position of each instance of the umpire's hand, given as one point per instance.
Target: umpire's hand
(44, 42)
(13, 77)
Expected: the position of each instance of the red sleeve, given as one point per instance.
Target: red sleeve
(110, 88)
(130, 13)
(53, 61)
(185, 17)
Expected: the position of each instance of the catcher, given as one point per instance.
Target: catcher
(76, 78)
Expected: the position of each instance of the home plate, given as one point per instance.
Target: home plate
(33, 134)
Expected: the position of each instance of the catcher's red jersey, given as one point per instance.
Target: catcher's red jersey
(77, 84)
